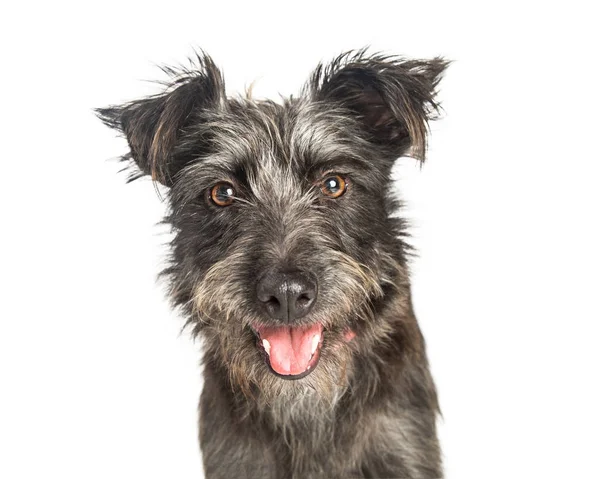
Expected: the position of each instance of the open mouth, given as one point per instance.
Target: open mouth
(291, 352)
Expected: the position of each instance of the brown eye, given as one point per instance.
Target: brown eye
(334, 186)
(222, 194)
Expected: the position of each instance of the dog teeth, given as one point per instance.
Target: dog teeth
(267, 346)
(315, 343)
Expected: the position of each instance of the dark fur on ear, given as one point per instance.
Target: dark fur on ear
(154, 125)
(393, 97)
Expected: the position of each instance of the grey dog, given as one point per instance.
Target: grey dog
(290, 262)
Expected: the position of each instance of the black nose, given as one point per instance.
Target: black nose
(287, 295)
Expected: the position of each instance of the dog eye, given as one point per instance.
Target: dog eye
(334, 186)
(222, 194)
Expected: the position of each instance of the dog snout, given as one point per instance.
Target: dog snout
(287, 296)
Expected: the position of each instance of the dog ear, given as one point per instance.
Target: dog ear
(154, 125)
(393, 98)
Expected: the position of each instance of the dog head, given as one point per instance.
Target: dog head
(286, 244)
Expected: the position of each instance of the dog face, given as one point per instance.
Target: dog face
(285, 240)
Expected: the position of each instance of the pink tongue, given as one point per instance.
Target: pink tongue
(290, 348)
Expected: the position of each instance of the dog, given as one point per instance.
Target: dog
(290, 261)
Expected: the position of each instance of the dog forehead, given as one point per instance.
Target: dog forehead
(269, 139)
(275, 150)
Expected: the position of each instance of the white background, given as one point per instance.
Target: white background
(96, 380)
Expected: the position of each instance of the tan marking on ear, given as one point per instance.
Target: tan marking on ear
(250, 89)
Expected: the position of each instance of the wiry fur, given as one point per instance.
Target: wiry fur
(369, 407)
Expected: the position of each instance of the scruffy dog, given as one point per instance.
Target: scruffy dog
(289, 260)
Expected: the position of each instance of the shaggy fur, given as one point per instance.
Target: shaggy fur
(368, 408)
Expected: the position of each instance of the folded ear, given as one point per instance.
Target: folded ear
(393, 98)
(154, 125)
